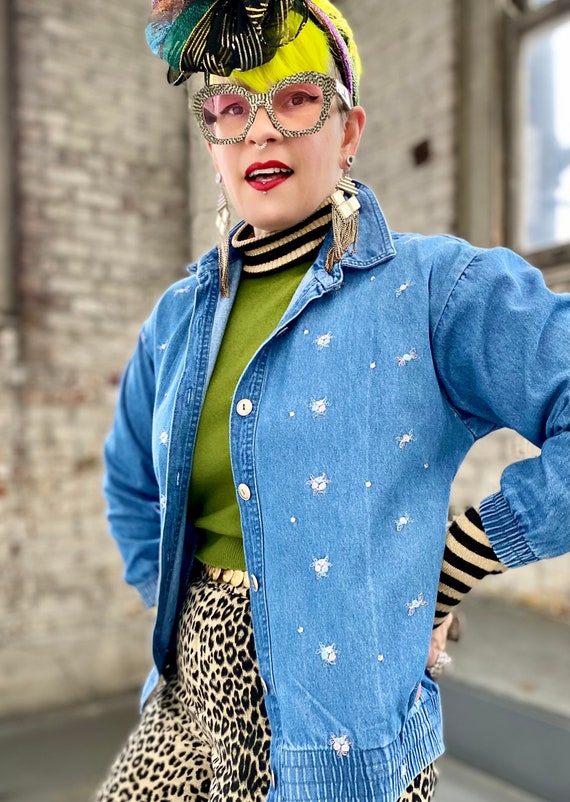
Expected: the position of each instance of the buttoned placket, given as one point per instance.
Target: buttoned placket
(243, 420)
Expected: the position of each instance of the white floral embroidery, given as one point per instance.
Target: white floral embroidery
(300, 630)
(321, 566)
(403, 360)
(323, 341)
(163, 502)
(163, 346)
(367, 484)
(415, 604)
(403, 287)
(403, 521)
(380, 658)
(341, 745)
(404, 439)
(328, 654)
(318, 484)
(164, 438)
(319, 406)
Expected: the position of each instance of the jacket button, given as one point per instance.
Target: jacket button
(244, 407)
(254, 583)
(244, 492)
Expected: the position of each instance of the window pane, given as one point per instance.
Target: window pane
(545, 142)
(538, 3)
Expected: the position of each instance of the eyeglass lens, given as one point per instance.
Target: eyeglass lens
(297, 108)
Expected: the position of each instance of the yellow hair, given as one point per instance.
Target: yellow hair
(308, 52)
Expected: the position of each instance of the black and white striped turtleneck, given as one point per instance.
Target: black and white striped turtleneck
(280, 250)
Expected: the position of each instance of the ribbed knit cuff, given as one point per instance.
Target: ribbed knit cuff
(505, 535)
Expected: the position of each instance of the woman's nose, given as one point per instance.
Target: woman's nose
(262, 129)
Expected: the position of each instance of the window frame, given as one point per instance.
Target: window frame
(520, 19)
(8, 236)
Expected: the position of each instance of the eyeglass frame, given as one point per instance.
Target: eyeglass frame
(329, 86)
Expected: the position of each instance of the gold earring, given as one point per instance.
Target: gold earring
(223, 216)
(344, 221)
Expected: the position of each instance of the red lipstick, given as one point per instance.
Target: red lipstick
(263, 176)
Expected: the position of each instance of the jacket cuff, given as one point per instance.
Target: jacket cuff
(505, 535)
(148, 591)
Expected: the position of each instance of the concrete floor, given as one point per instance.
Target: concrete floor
(60, 757)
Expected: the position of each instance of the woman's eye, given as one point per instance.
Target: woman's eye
(301, 98)
(234, 110)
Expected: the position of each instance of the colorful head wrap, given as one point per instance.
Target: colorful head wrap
(219, 36)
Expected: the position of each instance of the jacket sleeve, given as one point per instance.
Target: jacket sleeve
(130, 486)
(502, 351)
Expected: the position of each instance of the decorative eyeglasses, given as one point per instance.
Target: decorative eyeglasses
(297, 105)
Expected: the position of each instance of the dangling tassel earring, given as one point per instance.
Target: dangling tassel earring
(223, 226)
(344, 218)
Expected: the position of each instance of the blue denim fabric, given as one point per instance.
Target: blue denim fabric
(416, 347)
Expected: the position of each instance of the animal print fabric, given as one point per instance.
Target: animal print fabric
(204, 734)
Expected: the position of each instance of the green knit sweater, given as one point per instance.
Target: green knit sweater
(273, 266)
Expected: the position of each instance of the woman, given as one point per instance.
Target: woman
(287, 433)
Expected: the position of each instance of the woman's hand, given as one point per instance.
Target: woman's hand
(438, 657)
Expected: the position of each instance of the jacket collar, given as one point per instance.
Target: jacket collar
(375, 244)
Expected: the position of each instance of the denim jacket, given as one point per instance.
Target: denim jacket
(417, 347)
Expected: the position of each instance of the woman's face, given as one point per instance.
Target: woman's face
(311, 165)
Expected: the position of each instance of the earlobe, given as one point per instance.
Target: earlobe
(353, 129)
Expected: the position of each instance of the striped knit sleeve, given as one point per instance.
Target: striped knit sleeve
(468, 557)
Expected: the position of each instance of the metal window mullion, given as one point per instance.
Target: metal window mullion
(526, 20)
(8, 287)
(512, 139)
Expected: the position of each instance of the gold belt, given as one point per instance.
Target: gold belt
(236, 578)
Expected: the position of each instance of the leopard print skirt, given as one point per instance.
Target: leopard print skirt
(204, 734)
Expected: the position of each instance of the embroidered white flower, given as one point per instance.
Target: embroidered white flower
(321, 566)
(164, 438)
(411, 357)
(323, 341)
(341, 744)
(163, 502)
(328, 654)
(403, 287)
(404, 439)
(415, 604)
(318, 484)
(403, 521)
(163, 346)
(319, 406)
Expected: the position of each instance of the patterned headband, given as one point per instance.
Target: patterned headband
(219, 36)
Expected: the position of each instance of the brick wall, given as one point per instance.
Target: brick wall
(101, 159)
